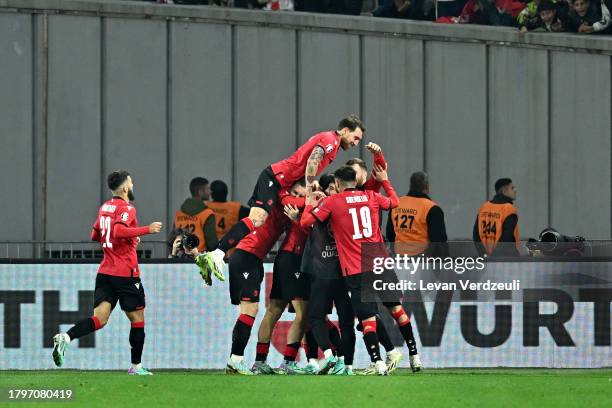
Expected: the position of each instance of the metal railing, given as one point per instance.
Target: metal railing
(72, 249)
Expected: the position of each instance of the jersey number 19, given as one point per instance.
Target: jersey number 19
(363, 229)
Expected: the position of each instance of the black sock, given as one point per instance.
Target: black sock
(83, 327)
(261, 352)
(241, 334)
(291, 351)
(407, 334)
(313, 347)
(334, 337)
(370, 338)
(383, 335)
(137, 338)
(371, 342)
(240, 230)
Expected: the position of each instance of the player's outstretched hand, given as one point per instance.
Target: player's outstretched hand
(155, 227)
(373, 148)
(380, 173)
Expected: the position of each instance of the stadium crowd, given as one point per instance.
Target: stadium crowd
(576, 16)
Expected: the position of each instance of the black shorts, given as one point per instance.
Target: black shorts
(324, 294)
(363, 296)
(288, 283)
(265, 194)
(128, 291)
(245, 276)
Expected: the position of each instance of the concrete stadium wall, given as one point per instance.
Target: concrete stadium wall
(169, 93)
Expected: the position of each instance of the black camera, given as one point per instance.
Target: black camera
(190, 241)
(552, 243)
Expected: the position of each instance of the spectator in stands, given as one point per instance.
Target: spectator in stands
(590, 16)
(195, 216)
(549, 16)
(488, 12)
(227, 213)
(449, 8)
(491, 12)
(409, 9)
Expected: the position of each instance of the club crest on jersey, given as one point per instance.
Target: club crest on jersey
(125, 216)
(329, 148)
(246, 275)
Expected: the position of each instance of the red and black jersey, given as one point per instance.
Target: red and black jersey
(293, 168)
(295, 240)
(116, 228)
(261, 240)
(354, 219)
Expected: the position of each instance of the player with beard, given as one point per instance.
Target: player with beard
(245, 276)
(309, 160)
(353, 216)
(118, 279)
(393, 355)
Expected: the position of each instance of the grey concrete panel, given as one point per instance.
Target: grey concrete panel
(518, 130)
(200, 135)
(73, 138)
(329, 84)
(265, 102)
(323, 22)
(580, 144)
(455, 131)
(135, 111)
(16, 178)
(393, 104)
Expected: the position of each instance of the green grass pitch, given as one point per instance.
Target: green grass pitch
(431, 388)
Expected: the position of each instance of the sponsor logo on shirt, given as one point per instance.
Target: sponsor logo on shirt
(329, 148)
(125, 216)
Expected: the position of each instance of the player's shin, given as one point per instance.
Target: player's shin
(84, 327)
(240, 336)
(137, 339)
(405, 327)
(370, 338)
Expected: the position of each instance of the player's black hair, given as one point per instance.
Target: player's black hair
(325, 180)
(116, 179)
(301, 182)
(501, 183)
(358, 162)
(345, 174)
(218, 190)
(419, 181)
(196, 184)
(351, 122)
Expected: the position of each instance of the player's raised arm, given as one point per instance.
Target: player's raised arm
(312, 167)
(392, 198)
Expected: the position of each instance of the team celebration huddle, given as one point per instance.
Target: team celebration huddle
(326, 219)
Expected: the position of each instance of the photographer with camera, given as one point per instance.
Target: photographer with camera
(183, 244)
(195, 217)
